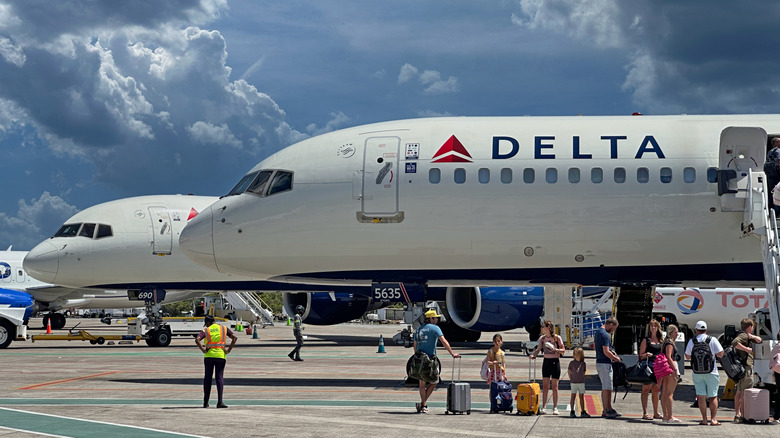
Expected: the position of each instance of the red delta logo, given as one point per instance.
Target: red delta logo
(192, 214)
(452, 151)
(690, 301)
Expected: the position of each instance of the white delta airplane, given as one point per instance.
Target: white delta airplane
(636, 201)
(53, 298)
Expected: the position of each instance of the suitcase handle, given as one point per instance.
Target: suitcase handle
(453, 369)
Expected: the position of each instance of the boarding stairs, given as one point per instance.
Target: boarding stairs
(250, 300)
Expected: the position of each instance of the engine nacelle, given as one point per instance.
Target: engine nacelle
(495, 309)
(326, 308)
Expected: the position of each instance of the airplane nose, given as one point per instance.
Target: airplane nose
(42, 262)
(196, 240)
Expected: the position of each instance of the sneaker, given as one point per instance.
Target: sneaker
(615, 413)
(584, 414)
(205, 404)
(418, 406)
(291, 356)
(609, 415)
(543, 411)
(425, 409)
(298, 359)
(572, 414)
(555, 411)
(221, 406)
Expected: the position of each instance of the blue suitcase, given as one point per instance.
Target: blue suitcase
(501, 397)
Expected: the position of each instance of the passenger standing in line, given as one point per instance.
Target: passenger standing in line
(705, 383)
(553, 348)
(576, 371)
(496, 369)
(604, 358)
(295, 355)
(666, 373)
(425, 339)
(214, 356)
(743, 344)
(776, 351)
(772, 171)
(648, 350)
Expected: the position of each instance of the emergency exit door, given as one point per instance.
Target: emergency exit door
(380, 176)
(162, 237)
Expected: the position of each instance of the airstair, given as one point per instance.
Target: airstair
(251, 301)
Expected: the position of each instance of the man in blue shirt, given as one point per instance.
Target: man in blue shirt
(604, 358)
(425, 339)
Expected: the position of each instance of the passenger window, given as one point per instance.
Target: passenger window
(104, 231)
(68, 230)
(460, 175)
(689, 175)
(551, 175)
(712, 175)
(620, 175)
(596, 175)
(506, 175)
(434, 176)
(483, 176)
(282, 182)
(87, 230)
(258, 184)
(642, 175)
(666, 175)
(529, 175)
(574, 175)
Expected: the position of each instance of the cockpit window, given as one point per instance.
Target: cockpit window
(282, 182)
(243, 184)
(258, 185)
(68, 230)
(103, 231)
(87, 230)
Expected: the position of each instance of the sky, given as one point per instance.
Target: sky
(102, 100)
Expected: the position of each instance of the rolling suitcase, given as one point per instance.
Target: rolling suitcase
(528, 394)
(500, 395)
(458, 394)
(756, 405)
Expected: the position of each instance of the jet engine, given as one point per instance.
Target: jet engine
(326, 308)
(495, 309)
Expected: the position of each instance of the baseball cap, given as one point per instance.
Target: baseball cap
(701, 325)
(208, 320)
(432, 314)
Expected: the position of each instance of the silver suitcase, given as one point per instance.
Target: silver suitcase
(458, 394)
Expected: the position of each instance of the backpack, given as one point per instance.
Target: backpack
(732, 364)
(619, 378)
(702, 361)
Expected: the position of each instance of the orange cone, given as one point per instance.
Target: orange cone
(48, 326)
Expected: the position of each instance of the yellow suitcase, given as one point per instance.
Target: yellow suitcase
(528, 394)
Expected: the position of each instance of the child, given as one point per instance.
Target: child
(497, 370)
(577, 379)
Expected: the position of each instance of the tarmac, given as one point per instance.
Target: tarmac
(344, 387)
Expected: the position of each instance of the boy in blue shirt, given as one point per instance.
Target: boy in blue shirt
(425, 339)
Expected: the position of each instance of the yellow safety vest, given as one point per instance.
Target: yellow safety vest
(215, 341)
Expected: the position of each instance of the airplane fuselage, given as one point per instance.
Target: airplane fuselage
(455, 201)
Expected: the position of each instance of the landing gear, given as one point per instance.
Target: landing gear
(58, 320)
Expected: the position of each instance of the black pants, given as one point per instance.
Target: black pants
(214, 365)
(299, 343)
(777, 397)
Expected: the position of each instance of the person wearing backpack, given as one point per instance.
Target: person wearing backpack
(701, 351)
(743, 344)
(604, 357)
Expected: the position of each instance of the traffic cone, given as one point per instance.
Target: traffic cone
(48, 326)
(288, 320)
(254, 332)
(381, 344)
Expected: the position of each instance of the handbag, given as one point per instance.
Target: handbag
(641, 372)
(485, 369)
(775, 363)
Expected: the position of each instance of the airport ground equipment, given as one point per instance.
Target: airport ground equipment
(83, 335)
(15, 309)
(251, 301)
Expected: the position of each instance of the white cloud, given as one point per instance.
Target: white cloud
(208, 134)
(11, 52)
(34, 221)
(337, 120)
(408, 72)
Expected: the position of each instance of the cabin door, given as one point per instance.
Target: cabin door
(380, 176)
(741, 149)
(162, 237)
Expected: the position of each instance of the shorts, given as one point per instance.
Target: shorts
(551, 368)
(605, 375)
(577, 388)
(745, 382)
(706, 384)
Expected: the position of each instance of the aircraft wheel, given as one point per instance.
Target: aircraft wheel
(162, 337)
(7, 333)
(58, 321)
(151, 339)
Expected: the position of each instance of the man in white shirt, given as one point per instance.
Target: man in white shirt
(706, 382)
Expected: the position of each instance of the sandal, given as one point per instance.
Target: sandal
(714, 423)
(657, 417)
(704, 423)
(675, 420)
(647, 417)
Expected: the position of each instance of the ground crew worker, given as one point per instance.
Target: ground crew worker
(214, 356)
(297, 331)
